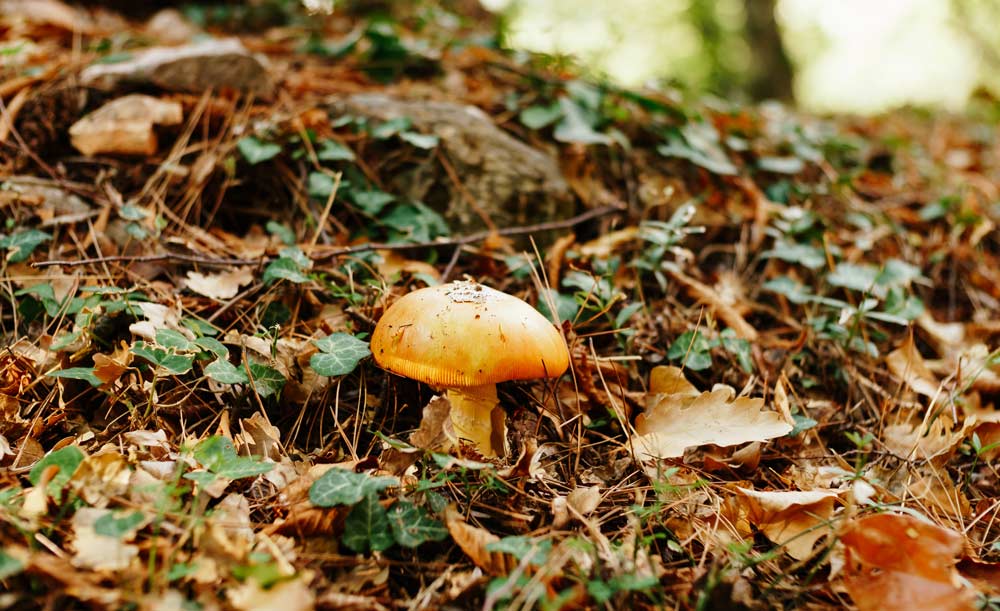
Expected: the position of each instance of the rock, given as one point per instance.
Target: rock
(513, 183)
(198, 67)
(170, 27)
(124, 126)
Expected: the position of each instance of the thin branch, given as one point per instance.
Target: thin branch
(348, 250)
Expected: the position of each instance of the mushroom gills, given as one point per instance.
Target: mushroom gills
(478, 418)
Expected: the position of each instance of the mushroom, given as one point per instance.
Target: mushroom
(466, 337)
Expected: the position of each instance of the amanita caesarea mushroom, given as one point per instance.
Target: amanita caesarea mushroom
(466, 337)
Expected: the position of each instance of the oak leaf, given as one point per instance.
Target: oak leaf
(898, 562)
(794, 519)
(684, 418)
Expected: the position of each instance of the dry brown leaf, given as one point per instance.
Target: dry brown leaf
(290, 595)
(101, 476)
(900, 563)
(907, 365)
(220, 286)
(938, 440)
(100, 552)
(794, 519)
(674, 422)
(473, 541)
(124, 126)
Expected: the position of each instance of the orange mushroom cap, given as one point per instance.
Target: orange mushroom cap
(465, 334)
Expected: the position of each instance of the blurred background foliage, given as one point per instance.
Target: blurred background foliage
(829, 56)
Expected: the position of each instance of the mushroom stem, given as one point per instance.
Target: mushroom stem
(472, 417)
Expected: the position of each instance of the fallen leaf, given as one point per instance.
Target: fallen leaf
(473, 541)
(97, 551)
(674, 422)
(290, 595)
(220, 286)
(900, 563)
(793, 519)
(124, 126)
(907, 365)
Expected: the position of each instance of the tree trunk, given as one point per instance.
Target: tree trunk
(771, 72)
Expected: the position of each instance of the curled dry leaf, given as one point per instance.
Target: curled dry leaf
(898, 562)
(223, 285)
(794, 519)
(907, 365)
(682, 419)
(473, 541)
(936, 440)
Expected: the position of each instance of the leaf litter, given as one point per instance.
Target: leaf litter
(783, 329)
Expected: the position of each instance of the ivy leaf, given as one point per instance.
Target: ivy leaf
(343, 487)
(217, 454)
(367, 526)
(169, 338)
(221, 370)
(538, 116)
(110, 525)
(23, 243)
(412, 525)
(340, 354)
(78, 373)
(371, 202)
(255, 150)
(68, 460)
(694, 349)
(173, 363)
(285, 269)
(421, 141)
(267, 381)
(576, 126)
(212, 346)
(331, 150)
(321, 185)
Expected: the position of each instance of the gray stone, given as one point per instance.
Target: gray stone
(198, 67)
(511, 182)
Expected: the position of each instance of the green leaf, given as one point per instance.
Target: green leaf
(212, 346)
(110, 525)
(131, 212)
(221, 370)
(217, 454)
(411, 525)
(694, 349)
(23, 243)
(282, 231)
(538, 116)
(811, 257)
(173, 363)
(169, 338)
(520, 547)
(9, 565)
(367, 527)
(68, 460)
(78, 373)
(577, 126)
(740, 348)
(331, 150)
(321, 185)
(698, 142)
(256, 151)
(566, 306)
(267, 381)
(415, 222)
(284, 269)
(343, 487)
(371, 202)
(421, 141)
(340, 354)
(390, 128)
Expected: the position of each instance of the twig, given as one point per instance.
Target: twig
(348, 250)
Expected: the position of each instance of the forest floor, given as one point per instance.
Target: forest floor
(783, 329)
